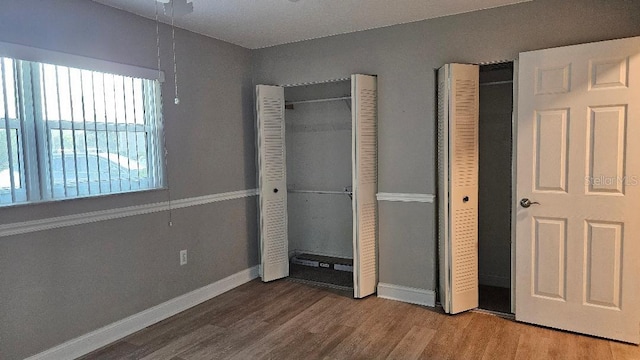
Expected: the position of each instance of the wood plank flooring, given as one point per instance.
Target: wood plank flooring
(289, 320)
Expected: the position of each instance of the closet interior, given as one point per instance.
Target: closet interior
(318, 142)
(495, 186)
(319, 183)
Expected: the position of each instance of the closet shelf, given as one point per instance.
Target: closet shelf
(318, 100)
(323, 192)
(497, 83)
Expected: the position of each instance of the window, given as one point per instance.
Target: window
(66, 132)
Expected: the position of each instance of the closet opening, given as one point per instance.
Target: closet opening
(318, 180)
(495, 186)
(319, 137)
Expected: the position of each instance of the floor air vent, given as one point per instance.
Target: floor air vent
(325, 262)
(324, 271)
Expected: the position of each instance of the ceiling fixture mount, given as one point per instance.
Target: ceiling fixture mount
(177, 7)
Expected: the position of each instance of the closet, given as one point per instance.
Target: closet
(495, 178)
(317, 167)
(475, 193)
(458, 102)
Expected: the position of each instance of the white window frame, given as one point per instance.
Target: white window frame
(34, 187)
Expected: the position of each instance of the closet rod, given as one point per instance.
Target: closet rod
(318, 100)
(319, 192)
(497, 83)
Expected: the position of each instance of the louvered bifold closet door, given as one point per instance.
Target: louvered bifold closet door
(365, 184)
(272, 182)
(461, 247)
(443, 189)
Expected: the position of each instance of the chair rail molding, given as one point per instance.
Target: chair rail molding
(110, 214)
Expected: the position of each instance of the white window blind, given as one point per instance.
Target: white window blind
(67, 132)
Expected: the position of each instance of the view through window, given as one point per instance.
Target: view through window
(67, 132)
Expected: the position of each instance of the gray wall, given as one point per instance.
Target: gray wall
(404, 57)
(58, 284)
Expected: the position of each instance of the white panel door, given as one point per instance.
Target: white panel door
(578, 250)
(272, 178)
(458, 115)
(365, 184)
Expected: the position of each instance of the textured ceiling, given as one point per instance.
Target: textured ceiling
(262, 23)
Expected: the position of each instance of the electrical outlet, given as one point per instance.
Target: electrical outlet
(183, 257)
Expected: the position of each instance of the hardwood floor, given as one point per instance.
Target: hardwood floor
(289, 320)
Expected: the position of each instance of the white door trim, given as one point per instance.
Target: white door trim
(514, 182)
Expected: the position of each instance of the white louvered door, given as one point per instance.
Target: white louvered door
(458, 113)
(365, 184)
(272, 182)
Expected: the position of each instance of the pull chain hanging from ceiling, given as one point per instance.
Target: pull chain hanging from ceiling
(164, 138)
(175, 64)
(158, 41)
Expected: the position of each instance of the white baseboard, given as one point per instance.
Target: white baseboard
(96, 339)
(493, 280)
(407, 294)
